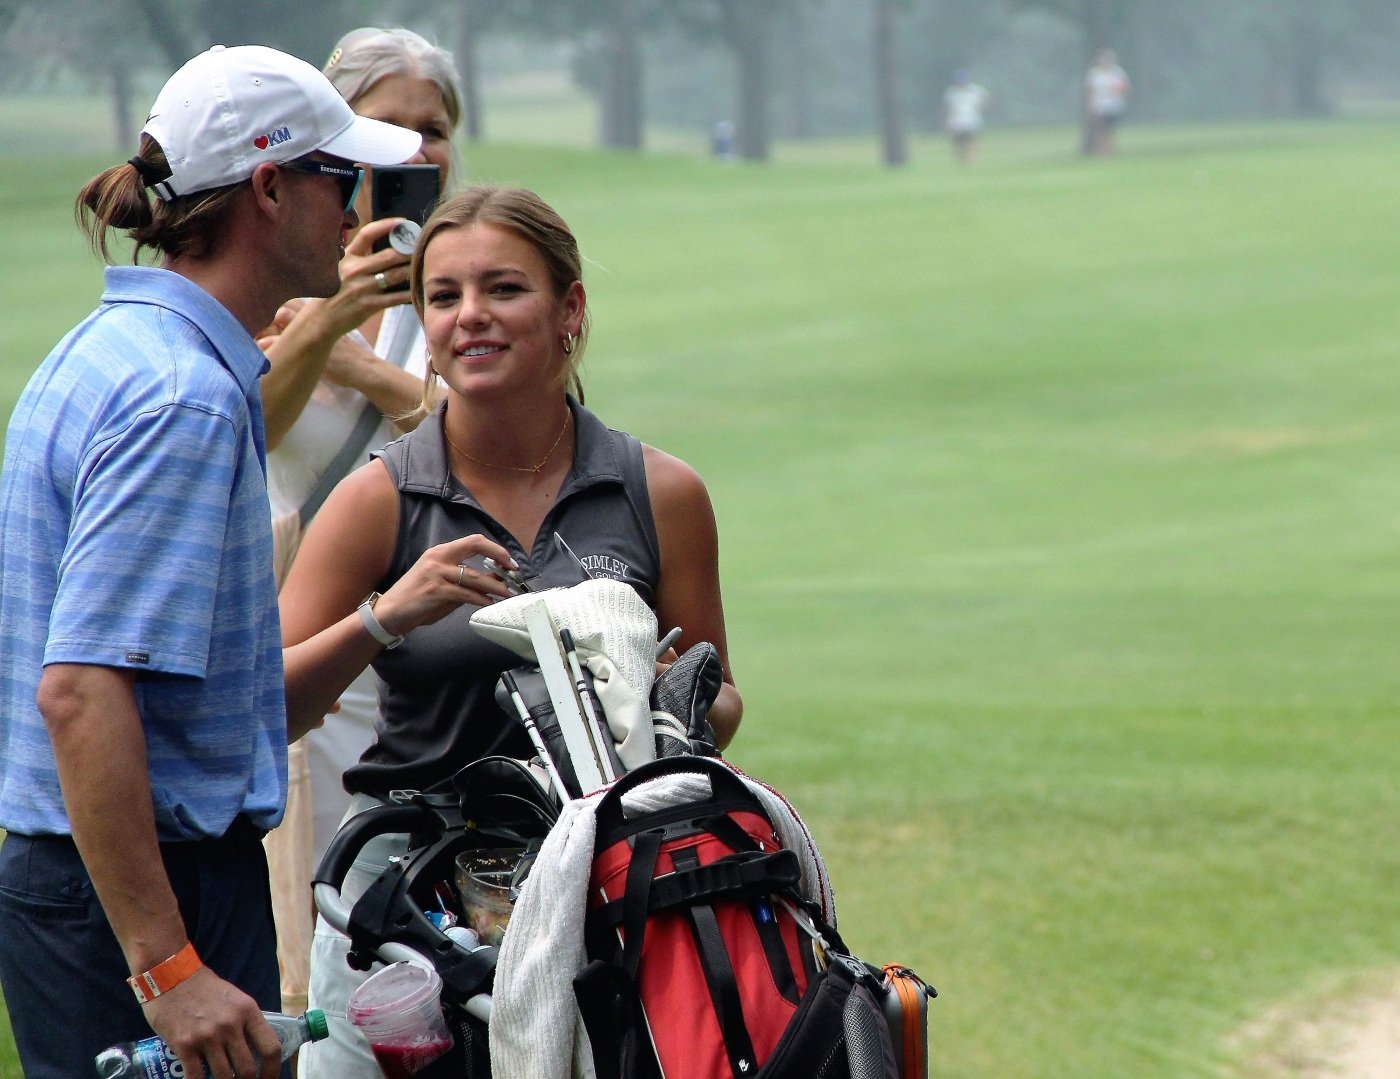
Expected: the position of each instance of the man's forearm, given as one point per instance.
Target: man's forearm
(100, 749)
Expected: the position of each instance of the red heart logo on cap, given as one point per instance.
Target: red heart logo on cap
(260, 142)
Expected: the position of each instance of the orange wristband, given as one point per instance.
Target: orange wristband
(165, 975)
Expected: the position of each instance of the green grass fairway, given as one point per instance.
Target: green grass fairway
(1060, 515)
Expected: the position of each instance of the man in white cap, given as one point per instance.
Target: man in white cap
(143, 725)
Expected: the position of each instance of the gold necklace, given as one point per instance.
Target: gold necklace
(568, 415)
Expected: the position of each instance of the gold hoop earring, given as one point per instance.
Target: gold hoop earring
(432, 368)
(568, 343)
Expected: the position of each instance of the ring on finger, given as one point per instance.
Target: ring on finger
(381, 281)
(461, 572)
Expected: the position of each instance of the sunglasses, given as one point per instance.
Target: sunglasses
(347, 177)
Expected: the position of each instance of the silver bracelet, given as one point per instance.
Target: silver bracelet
(374, 627)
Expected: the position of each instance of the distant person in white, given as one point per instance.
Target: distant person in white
(1106, 90)
(964, 106)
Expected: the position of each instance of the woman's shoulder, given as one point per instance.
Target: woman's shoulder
(416, 456)
(369, 489)
(671, 480)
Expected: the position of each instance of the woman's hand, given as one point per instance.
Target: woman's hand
(345, 554)
(361, 294)
(348, 359)
(444, 578)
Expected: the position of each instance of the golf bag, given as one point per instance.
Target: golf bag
(706, 961)
(690, 935)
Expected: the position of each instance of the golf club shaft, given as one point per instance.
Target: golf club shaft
(663, 645)
(604, 754)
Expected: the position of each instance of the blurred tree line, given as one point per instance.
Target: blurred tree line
(772, 68)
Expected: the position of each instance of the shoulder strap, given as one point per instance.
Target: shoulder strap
(405, 331)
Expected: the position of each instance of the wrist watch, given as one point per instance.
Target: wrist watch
(374, 627)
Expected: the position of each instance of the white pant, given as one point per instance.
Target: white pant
(345, 1054)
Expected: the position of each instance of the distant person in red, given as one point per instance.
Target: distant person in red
(1106, 90)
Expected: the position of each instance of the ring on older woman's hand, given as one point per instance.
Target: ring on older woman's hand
(461, 572)
(382, 282)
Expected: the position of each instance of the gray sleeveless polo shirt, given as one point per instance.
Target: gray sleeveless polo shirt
(437, 712)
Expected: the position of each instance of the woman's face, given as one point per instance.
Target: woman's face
(491, 316)
(414, 103)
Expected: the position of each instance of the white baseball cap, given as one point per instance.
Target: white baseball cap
(230, 109)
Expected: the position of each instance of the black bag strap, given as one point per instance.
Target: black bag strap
(636, 899)
(340, 466)
(739, 876)
(721, 982)
(770, 938)
(609, 1008)
(725, 786)
(729, 832)
(368, 422)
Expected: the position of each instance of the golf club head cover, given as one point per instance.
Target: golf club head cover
(505, 791)
(628, 716)
(672, 739)
(685, 691)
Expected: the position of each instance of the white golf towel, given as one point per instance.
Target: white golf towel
(605, 617)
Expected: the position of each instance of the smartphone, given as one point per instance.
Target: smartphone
(409, 191)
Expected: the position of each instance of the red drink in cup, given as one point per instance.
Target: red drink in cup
(399, 1011)
(399, 1060)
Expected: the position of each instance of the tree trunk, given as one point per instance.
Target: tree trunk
(748, 28)
(165, 32)
(1142, 46)
(268, 22)
(1308, 49)
(1100, 24)
(121, 106)
(796, 62)
(892, 141)
(468, 71)
(621, 102)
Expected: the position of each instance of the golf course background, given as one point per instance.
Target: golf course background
(1060, 523)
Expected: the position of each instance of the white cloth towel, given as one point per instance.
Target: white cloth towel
(604, 616)
(535, 1030)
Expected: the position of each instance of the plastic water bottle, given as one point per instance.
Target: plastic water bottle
(151, 1058)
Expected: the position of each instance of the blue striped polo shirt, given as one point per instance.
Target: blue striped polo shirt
(135, 533)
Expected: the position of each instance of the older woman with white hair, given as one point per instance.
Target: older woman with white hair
(346, 373)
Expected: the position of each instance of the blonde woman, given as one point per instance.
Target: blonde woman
(505, 459)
